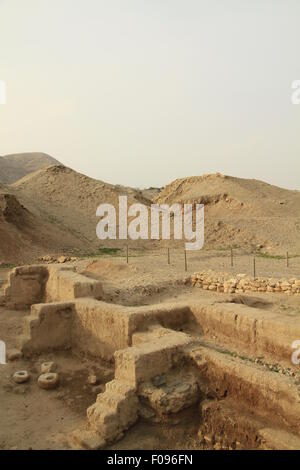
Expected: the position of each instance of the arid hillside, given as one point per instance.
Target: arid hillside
(53, 210)
(69, 200)
(240, 211)
(24, 235)
(13, 167)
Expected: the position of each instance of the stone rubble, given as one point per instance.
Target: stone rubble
(225, 282)
(57, 259)
(92, 379)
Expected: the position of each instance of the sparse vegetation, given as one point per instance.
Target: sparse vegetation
(102, 251)
(7, 266)
(270, 256)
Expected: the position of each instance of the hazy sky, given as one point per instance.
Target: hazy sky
(140, 92)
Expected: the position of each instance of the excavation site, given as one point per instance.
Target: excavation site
(101, 354)
(149, 233)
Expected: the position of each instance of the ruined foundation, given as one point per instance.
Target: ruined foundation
(168, 359)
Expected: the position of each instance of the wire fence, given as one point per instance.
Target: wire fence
(233, 261)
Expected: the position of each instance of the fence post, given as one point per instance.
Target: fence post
(127, 254)
(185, 261)
(254, 267)
(168, 255)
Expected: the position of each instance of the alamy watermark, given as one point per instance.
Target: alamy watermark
(2, 353)
(295, 97)
(152, 222)
(296, 354)
(2, 92)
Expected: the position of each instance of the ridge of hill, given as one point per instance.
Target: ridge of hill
(69, 199)
(15, 166)
(242, 212)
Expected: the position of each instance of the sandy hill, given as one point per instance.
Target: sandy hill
(150, 193)
(69, 200)
(13, 167)
(240, 211)
(53, 210)
(24, 235)
(3, 188)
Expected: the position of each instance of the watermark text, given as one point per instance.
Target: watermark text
(295, 97)
(143, 222)
(2, 353)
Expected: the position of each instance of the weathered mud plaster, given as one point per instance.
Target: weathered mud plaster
(100, 328)
(28, 285)
(150, 358)
(118, 407)
(65, 284)
(169, 358)
(94, 327)
(48, 327)
(257, 330)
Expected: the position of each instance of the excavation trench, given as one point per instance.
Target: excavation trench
(171, 361)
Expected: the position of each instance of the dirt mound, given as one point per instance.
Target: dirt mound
(62, 186)
(24, 235)
(69, 200)
(244, 196)
(105, 269)
(61, 206)
(13, 167)
(53, 210)
(240, 211)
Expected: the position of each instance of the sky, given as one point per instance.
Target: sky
(141, 92)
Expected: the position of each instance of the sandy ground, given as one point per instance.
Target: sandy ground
(149, 279)
(154, 265)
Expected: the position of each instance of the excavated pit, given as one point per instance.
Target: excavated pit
(218, 369)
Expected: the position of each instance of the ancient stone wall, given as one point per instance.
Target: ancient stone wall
(224, 282)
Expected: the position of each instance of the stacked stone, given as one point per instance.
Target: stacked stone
(224, 282)
(57, 259)
(209, 281)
